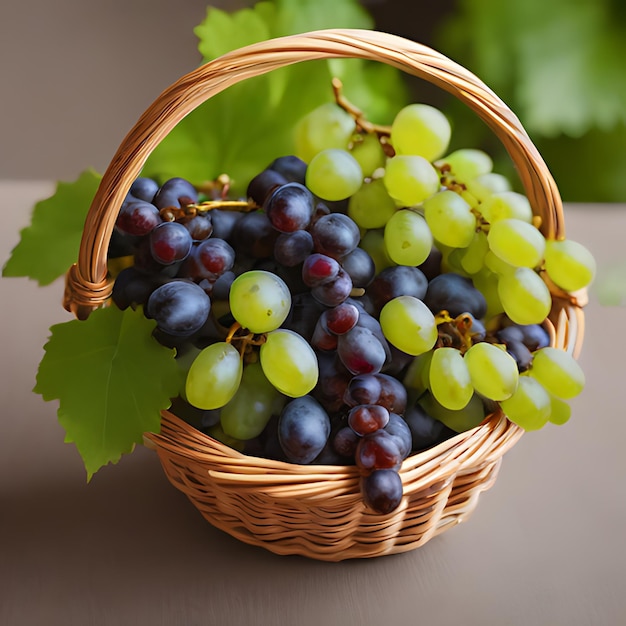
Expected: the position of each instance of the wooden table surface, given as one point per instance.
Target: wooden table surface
(546, 545)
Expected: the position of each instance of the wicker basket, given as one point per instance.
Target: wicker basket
(317, 511)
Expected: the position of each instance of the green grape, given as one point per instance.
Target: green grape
(486, 185)
(459, 421)
(408, 240)
(409, 180)
(560, 411)
(420, 129)
(334, 174)
(417, 376)
(214, 376)
(371, 206)
(369, 153)
(525, 297)
(289, 363)
(529, 406)
(217, 432)
(473, 257)
(454, 261)
(449, 378)
(466, 163)
(506, 205)
(327, 126)
(569, 264)
(516, 242)
(493, 371)
(558, 372)
(409, 325)
(250, 409)
(260, 301)
(450, 219)
(486, 282)
(496, 265)
(373, 242)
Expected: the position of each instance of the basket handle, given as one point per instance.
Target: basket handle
(87, 286)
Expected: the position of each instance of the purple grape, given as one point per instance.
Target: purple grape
(254, 236)
(224, 222)
(179, 307)
(176, 193)
(382, 491)
(426, 431)
(360, 351)
(291, 249)
(291, 167)
(335, 235)
(303, 315)
(335, 291)
(199, 226)
(144, 189)
(170, 242)
(361, 267)
(398, 428)
(399, 280)
(431, 267)
(133, 287)
(377, 388)
(345, 442)
(210, 259)
(332, 382)
(290, 207)
(263, 184)
(221, 287)
(456, 294)
(303, 429)
(137, 217)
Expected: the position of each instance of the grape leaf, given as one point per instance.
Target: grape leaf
(242, 129)
(49, 245)
(111, 378)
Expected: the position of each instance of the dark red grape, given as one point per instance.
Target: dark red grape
(361, 351)
(290, 207)
(378, 450)
(345, 442)
(335, 291)
(318, 269)
(367, 418)
(263, 184)
(170, 242)
(137, 217)
(382, 491)
(199, 226)
(341, 319)
(398, 428)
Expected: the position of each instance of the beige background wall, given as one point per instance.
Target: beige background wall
(76, 74)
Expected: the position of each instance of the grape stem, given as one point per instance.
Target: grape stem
(362, 123)
(245, 341)
(454, 331)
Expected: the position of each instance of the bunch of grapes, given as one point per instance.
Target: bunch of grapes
(369, 298)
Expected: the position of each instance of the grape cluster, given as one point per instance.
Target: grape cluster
(368, 299)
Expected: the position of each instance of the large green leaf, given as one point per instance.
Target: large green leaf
(244, 128)
(112, 379)
(49, 245)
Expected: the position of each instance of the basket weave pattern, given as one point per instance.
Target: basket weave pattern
(317, 511)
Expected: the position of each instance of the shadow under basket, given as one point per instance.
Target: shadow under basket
(317, 511)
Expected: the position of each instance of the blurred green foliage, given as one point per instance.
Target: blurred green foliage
(560, 65)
